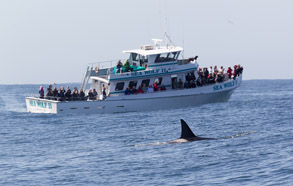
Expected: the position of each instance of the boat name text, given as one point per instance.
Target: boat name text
(225, 85)
(40, 104)
(150, 72)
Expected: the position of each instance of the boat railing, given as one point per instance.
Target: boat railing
(105, 64)
(63, 99)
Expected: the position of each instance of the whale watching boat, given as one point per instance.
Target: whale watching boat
(177, 84)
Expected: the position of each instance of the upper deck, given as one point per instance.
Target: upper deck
(148, 60)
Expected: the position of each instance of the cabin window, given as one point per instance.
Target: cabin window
(159, 81)
(144, 59)
(135, 57)
(119, 86)
(132, 83)
(146, 82)
(166, 57)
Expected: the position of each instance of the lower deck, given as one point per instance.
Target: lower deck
(170, 99)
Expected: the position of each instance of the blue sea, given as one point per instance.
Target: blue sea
(255, 145)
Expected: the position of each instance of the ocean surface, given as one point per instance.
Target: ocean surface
(255, 128)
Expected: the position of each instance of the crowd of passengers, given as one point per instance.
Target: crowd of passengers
(67, 95)
(206, 76)
(144, 89)
(214, 75)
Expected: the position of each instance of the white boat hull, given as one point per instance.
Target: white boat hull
(172, 99)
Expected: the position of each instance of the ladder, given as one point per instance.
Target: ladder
(86, 77)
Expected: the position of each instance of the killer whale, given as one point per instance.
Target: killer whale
(187, 135)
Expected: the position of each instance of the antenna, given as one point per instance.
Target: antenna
(168, 37)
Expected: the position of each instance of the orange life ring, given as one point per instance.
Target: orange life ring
(97, 69)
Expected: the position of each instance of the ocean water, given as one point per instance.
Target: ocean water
(255, 128)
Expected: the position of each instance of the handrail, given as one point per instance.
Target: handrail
(106, 64)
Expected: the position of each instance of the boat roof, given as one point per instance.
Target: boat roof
(147, 50)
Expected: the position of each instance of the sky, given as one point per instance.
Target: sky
(53, 41)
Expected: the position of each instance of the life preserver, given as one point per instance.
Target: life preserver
(97, 69)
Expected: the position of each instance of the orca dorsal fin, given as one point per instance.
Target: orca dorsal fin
(186, 132)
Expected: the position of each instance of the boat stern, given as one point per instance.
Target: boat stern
(37, 105)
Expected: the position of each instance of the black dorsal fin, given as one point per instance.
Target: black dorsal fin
(186, 131)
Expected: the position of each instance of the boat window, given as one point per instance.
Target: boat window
(144, 59)
(132, 83)
(119, 86)
(146, 82)
(166, 57)
(159, 81)
(135, 57)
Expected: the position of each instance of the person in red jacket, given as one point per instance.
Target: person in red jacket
(229, 72)
(139, 90)
(156, 88)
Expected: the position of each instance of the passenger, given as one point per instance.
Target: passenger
(192, 76)
(127, 66)
(229, 72)
(68, 93)
(226, 77)
(216, 70)
(49, 92)
(104, 92)
(219, 78)
(240, 69)
(163, 88)
(139, 90)
(199, 73)
(150, 89)
(180, 84)
(156, 88)
(235, 72)
(205, 73)
(81, 95)
(60, 95)
(75, 94)
(198, 82)
(91, 95)
(211, 79)
(222, 70)
(95, 93)
(193, 85)
(187, 77)
(175, 84)
(119, 67)
(144, 88)
(62, 89)
(204, 81)
(55, 92)
(189, 84)
(127, 91)
(186, 85)
(133, 90)
(210, 70)
(41, 92)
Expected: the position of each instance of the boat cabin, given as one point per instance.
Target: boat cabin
(148, 64)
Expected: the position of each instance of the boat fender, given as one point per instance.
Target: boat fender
(97, 69)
